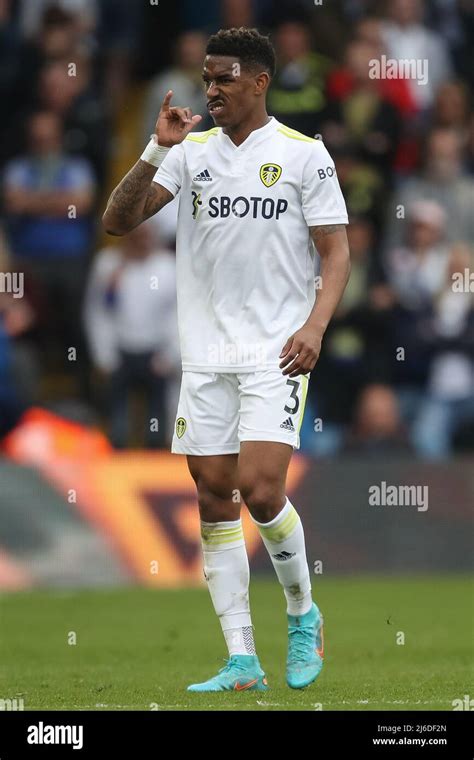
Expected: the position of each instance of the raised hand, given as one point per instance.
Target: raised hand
(173, 123)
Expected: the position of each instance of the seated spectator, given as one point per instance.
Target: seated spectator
(131, 324)
(396, 91)
(378, 430)
(449, 402)
(297, 93)
(362, 185)
(80, 108)
(365, 121)
(184, 78)
(454, 22)
(58, 36)
(44, 79)
(32, 14)
(48, 198)
(451, 110)
(433, 326)
(356, 348)
(417, 270)
(407, 38)
(443, 180)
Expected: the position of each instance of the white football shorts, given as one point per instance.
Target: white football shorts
(216, 411)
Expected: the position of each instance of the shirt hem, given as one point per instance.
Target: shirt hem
(228, 368)
(167, 185)
(331, 220)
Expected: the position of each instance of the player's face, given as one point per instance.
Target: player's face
(229, 90)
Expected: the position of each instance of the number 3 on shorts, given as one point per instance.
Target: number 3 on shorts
(295, 385)
(296, 397)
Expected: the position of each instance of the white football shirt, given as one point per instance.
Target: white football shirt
(244, 256)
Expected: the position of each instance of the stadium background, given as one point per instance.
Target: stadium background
(89, 365)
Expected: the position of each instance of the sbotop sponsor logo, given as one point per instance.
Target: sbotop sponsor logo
(385, 495)
(403, 68)
(236, 353)
(40, 733)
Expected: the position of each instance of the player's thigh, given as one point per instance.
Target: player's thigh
(217, 474)
(271, 407)
(208, 415)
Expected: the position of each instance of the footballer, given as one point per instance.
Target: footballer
(256, 199)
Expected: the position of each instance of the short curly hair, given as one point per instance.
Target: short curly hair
(254, 50)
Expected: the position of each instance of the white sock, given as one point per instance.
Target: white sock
(284, 540)
(226, 569)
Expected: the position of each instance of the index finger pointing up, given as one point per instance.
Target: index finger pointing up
(166, 100)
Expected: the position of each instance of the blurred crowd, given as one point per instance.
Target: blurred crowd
(91, 327)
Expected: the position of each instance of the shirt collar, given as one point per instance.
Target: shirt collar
(255, 136)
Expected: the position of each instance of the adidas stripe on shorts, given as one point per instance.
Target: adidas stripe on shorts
(217, 411)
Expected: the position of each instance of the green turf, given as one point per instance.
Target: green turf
(136, 648)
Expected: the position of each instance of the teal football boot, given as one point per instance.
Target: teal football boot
(305, 648)
(242, 672)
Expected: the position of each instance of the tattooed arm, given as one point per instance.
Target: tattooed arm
(135, 199)
(301, 351)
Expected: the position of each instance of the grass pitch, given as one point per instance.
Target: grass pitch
(139, 649)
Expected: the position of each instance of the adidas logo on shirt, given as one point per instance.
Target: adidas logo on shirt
(288, 425)
(203, 177)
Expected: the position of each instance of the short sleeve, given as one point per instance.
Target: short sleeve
(170, 172)
(322, 199)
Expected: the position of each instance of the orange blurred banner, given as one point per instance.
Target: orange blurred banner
(144, 503)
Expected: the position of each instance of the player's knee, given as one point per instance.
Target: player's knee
(263, 498)
(214, 492)
(215, 504)
(212, 508)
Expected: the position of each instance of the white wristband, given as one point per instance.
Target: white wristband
(154, 153)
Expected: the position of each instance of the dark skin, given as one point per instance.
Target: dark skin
(242, 95)
(258, 472)
(301, 351)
